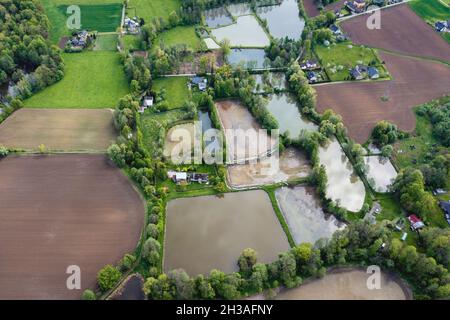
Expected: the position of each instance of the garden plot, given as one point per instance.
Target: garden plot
(246, 32)
(58, 211)
(291, 164)
(206, 233)
(344, 186)
(59, 130)
(304, 215)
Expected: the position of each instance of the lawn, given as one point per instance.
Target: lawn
(106, 42)
(340, 57)
(99, 15)
(176, 90)
(148, 10)
(432, 11)
(92, 80)
(131, 42)
(179, 35)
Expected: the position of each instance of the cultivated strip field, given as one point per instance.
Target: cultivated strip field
(59, 211)
(59, 129)
(402, 31)
(363, 104)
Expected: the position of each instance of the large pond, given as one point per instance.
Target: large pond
(245, 140)
(285, 110)
(344, 186)
(304, 215)
(217, 17)
(290, 164)
(347, 285)
(381, 173)
(283, 20)
(206, 124)
(246, 32)
(209, 232)
(249, 58)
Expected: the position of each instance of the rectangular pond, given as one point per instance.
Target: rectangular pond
(344, 186)
(285, 109)
(291, 164)
(283, 20)
(246, 32)
(206, 233)
(304, 215)
(239, 9)
(243, 135)
(248, 58)
(380, 172)
(276, 80)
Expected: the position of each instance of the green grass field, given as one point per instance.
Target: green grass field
(339, 58)
(432, 11)
(179, 35)
(106, 42)
(99, 15)
(148, 10)
(177, 92)
(92, 80)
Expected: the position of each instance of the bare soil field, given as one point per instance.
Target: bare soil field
(59, 129)
(402, 31)
(58, 211)
(363, 104)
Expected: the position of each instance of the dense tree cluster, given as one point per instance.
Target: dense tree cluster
(385, 133)
(282, 52)
(409, 187)
(28, 62)
(439, 115)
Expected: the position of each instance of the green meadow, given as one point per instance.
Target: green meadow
(179, 35)
(150, 9)
(176, 90)
(94, 79)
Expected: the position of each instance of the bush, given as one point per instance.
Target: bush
(108, 277)
(3, 152)
(152, 231)
(127, 262)
(88, 295)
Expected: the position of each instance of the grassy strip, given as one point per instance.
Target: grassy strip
(270, 190)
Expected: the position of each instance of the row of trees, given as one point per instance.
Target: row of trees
(360, 243)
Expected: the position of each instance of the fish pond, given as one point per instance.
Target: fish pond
(344, 186)
(210, 232)
(304, 215)
(283, 20)
(348, 284)
(381, 173)
(285, 109)
(248, 58)
(246, 32)
(217, 17)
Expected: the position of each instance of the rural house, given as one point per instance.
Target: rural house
(416, 223)
(177, 177)
(147, 102)
(373, 73)
(309, 65)
(335, 29)
(356, 6)
(311, 76)
(442, 26)
(132, 26)
(185, 177)
(200, 82)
